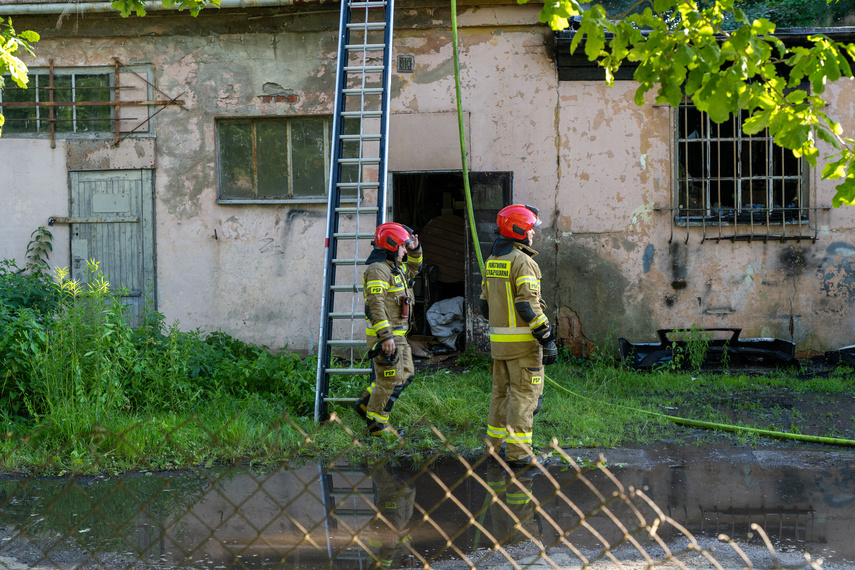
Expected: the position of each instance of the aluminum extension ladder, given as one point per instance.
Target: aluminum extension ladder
(357, 195)
(347, 492)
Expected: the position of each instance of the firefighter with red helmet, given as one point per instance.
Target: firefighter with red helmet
(521, 339)
(392, 266)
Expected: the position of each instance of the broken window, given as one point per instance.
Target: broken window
(725, 177)
(70, 101)
(263, 159)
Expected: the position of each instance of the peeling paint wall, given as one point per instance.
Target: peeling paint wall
(626, 271)
(598, 166)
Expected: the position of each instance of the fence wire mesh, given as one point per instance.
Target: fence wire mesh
(363, 509)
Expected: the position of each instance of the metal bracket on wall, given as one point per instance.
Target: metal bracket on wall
(164, 103)
(97, 220)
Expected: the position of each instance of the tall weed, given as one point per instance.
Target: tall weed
(27, 298)
(78, 376)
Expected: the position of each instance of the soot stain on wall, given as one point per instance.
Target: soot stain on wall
(596, 288)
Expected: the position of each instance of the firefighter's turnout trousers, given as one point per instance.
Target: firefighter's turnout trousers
(511, 288)
(388, 314)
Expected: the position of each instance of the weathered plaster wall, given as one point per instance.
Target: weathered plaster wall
(252, 271)
(624, 270)
(35, 187)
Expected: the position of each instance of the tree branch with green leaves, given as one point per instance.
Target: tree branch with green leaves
(681, 50)
(11, 44)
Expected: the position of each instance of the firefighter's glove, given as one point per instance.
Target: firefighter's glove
(377, 350)
(544, 334)
(394, 358)
(550, 353)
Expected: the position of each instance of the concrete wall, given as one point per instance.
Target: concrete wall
(597, 165)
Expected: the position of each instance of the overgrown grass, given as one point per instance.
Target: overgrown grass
(83, 391)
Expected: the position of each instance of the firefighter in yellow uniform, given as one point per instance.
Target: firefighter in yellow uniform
(513, 512)
(395, 498)
(392, 265)
(521, 338)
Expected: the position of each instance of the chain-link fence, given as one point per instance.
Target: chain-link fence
(371, 507)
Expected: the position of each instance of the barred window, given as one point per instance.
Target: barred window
(725, 177)
(73, 101)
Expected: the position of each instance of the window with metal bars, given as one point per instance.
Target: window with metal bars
(726, 177)
(65, 100)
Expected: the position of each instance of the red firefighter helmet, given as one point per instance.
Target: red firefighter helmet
(515, 220)
(391, 235)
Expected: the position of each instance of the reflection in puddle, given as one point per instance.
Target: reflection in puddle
(355, 516)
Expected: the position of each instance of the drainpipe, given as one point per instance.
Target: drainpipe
(102, 7)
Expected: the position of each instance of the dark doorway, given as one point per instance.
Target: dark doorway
(433, 204)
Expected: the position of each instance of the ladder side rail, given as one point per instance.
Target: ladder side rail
(329, 506)
(384, 117)
(334, 198)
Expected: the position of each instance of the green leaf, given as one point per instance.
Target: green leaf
(756, 123)
(845, 192)
(30, 36)
(826, 137)
(685, 55)
(833, 170)
(762, 26)
(796, 96)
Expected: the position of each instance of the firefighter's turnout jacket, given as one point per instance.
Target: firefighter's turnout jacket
(510, 299)
(511, 289)
(386, 289)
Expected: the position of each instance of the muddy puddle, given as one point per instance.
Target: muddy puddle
(344, 516)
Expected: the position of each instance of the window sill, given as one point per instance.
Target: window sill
(261, 201)
(758, 218)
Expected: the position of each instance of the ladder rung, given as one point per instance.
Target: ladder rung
(354, 513)
(347, 372)
(346, 344)
(354, 236)
(366, 26)
(356, 210)
(368, 91)
(366, 47)
(363, 69)
(369, 114)
(357, 185)
(367, 4)
(359, 160)
(351, 315)
(346, 288)
(348, 261)
(368, 137)
(343, 469)
(350, 557)
(353, 492)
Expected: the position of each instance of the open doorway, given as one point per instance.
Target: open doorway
(433, 204)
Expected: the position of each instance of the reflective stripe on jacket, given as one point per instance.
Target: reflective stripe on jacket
(384, 287)
(509, 280)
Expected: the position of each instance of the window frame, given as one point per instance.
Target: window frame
(44, 125)
(740, 213)
(289, 198)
